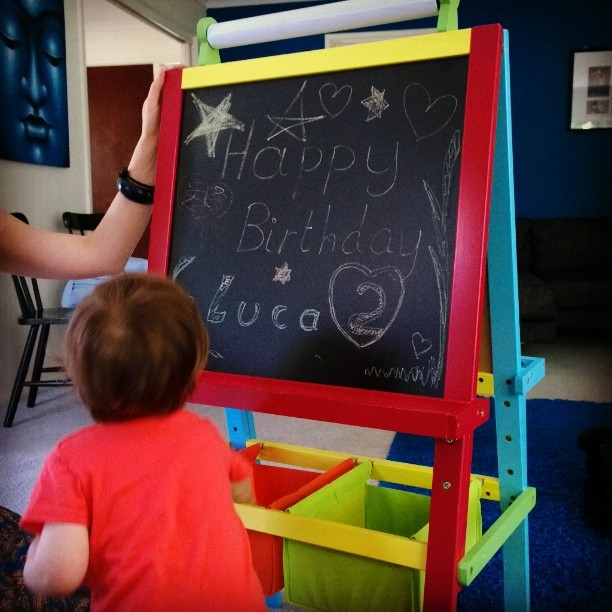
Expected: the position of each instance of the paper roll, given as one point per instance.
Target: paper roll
(346, 15)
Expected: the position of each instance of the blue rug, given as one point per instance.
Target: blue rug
(570, 560)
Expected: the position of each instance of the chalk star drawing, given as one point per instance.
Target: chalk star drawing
(375, 104)
(287, 123)
(283, 274)
(213, 121)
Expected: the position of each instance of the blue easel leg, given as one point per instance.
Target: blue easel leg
(510, 406)
(240, 427)
(275, 601)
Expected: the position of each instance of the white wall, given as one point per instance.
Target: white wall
(43, 192)
(114, 37)
(97, 34)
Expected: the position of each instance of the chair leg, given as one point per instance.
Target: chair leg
(39, 363)
(22, 372)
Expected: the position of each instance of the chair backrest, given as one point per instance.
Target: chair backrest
(81, 222)
(30, 301)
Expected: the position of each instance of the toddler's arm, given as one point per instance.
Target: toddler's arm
(242, 491)
(57, 559)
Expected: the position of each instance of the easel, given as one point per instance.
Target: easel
(443, 558)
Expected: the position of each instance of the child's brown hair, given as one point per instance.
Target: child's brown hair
(134, 347)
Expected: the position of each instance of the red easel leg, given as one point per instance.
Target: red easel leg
(447, 522)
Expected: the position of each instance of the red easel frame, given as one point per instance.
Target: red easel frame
(451, 420)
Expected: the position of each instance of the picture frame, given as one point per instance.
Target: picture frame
(591, 98)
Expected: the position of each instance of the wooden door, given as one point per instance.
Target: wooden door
(116, 94)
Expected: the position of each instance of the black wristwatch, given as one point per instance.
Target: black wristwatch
(134, 190)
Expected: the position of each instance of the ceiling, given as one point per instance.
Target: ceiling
(228, 3)
(178, 16)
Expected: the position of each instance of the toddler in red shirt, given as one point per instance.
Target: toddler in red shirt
(139, 506)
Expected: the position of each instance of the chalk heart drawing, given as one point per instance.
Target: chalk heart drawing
(333, 99)
(420, 345)
(364, 303)
(426, 117)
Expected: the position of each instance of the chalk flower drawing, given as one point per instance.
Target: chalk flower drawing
(439, 252)
(286, 123)
(213, 121)
(283, 274)
(429, 372)
(375, 104)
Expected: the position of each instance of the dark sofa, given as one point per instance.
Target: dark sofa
(564, 276)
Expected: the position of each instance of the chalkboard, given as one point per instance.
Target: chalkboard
(313, 217)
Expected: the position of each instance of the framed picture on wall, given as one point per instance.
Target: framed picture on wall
(591, 90)
(34, 93)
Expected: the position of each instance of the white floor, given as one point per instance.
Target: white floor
(579, 370)
(575, 370)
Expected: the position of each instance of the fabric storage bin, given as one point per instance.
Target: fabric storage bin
(329, 580)
(278, 487)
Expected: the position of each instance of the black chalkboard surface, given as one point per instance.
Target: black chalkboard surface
(314, 223)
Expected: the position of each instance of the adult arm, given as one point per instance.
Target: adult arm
(57, 559)
(31, 251)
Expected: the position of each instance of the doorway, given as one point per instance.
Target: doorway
(116, 95)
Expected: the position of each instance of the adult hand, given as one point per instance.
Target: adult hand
(142, 165)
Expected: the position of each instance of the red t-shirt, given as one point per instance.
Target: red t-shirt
(155, 495)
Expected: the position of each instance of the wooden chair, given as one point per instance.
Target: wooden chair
(38, 319)
(81, 222)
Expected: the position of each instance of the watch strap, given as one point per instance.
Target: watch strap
(134, 190)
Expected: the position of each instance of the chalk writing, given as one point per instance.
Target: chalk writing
(214, 315)
(312, 234)
(181, 265)
(203, 200)
(423, 375)
(315, 226)
(313, 167)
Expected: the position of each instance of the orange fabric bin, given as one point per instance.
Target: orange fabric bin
(278, 487)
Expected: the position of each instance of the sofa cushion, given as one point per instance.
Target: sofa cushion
(536, 298)
(538, 331)
(585, 320)
(582, 293)
(572, 245)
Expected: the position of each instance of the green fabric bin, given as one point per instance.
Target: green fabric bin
(328, 580)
